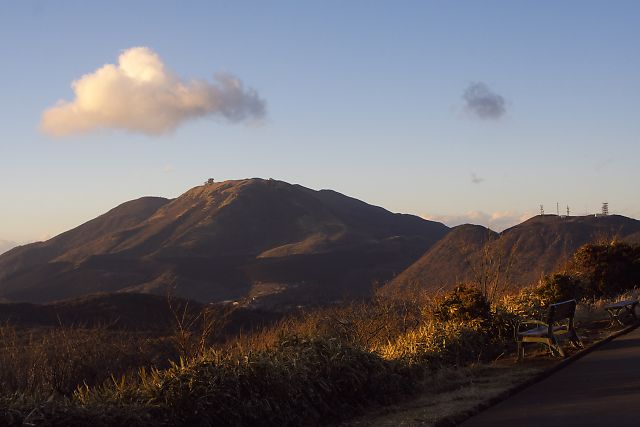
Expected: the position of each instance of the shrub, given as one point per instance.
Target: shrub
(559, 287)
(607, 269)
(464, 303)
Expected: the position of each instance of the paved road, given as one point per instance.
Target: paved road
(600, 389)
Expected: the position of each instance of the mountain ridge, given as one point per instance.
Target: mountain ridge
(521, 254)
(224, 240)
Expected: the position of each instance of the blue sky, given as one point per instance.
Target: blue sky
(362, 97)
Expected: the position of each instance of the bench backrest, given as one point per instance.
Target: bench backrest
(561, 310)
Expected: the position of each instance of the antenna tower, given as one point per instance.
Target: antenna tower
(541, 210)
(605, 208)
(568, 211)
(557, 208)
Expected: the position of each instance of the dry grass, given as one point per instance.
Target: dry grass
(54, 362)
(450, 392)
(311, 369)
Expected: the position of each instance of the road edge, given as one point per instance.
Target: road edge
(459, 418)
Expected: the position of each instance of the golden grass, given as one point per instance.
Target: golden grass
(315, 368)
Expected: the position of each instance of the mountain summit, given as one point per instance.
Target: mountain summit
(257, 240)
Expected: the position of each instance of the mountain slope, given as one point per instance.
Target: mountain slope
(120, 218)
(521, 254)
(262, 241)
(6, 245)
(451, 260)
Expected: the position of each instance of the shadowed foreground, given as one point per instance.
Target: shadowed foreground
(602, 388)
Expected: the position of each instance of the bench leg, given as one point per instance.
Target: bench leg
(614, 314)
(550, 345)
(555, 347)
(575, 340)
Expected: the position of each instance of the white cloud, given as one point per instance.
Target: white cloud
(139, 94)
(5, 245)
(496, 221)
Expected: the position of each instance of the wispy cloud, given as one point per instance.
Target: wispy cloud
(475, 178)
(482, 102)
(496, 221)
(139, 94)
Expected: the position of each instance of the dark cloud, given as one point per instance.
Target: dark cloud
(482, 102)
(476, 179)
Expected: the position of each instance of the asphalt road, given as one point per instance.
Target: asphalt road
(599, 389)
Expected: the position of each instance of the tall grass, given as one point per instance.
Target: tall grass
(319, 367)
(54, 362)
(295, 382)
(314, 368)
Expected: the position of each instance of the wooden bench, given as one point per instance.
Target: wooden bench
(627, 306)
(559, 322)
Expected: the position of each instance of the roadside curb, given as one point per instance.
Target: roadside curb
(457, 419)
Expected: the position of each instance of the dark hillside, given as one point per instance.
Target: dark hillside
(265, 243)
(528, 251)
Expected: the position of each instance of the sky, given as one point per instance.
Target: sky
(459, 111)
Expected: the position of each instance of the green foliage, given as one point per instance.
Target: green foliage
(607, 269)
(464, 303)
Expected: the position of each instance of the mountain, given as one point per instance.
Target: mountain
(5, 245)
(520, 255)
(264, 242)
(451, 260)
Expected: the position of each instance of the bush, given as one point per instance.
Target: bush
(464, 303)
(607, 269)
(559, 287)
